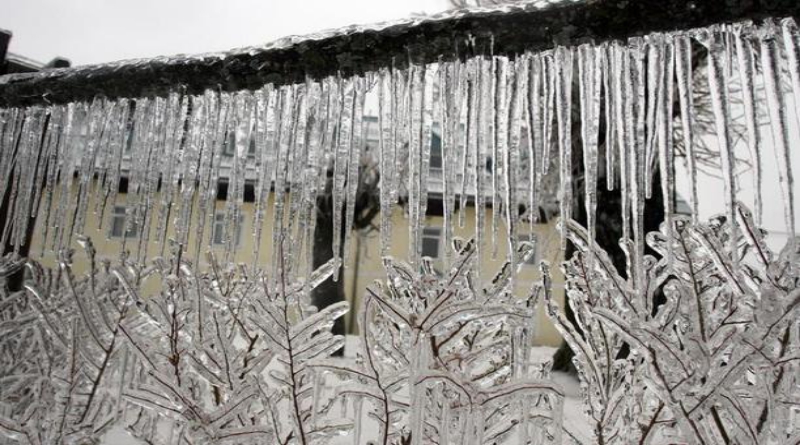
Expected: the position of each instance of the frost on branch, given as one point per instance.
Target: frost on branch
(443, 361)
(216, 357)
(706, 352)
(60, 351)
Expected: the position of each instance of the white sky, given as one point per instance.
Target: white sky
(93, 31)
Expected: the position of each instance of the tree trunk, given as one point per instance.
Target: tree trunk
(329, 292)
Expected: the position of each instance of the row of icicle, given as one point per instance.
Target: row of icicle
(517, 112)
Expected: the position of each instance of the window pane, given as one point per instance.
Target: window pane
(430, 241)
(219, 229)
(430, 247)
(118, 222)
(436, 152)
(117, 226)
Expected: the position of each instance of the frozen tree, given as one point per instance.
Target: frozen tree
(442, 361)
(61, 353)
(186, 365)
(715, 363)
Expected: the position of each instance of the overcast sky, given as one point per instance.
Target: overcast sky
(94, 31)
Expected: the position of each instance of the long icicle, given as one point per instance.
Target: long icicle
(636, 88)
(611, 127)
(589, 85)
(415, 141)
(340, 163)
(500, 143)
(665, 143)
(778, 125)
(385, 158)
(790, 36)
(683, 70)
(745, 64)
(717, 83)
(564, 62)
(356, 148)
(535, 141)
(519, 76)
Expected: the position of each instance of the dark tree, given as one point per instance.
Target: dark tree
(366, 208)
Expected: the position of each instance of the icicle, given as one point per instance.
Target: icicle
(431, 112)
(312, 185)
(636, 89)
(215, 118)
(400, 127)
(480, 140)
(174, 149)
(745, 63)
(624, 124)
(718, 84)
(20, 201)
(340, 163)
(302, 183)
(96, 120)
(606, 57)
(106, 158)
(500, 74)
(590, 85)
(451, 98)
(74, 120)
(534, 134)
(665, 144)
(518, 93)
(385, 148)
(57, 121)
(778, 125)
(284, 136)
(473, 87)
(417, 82)
(150, 178)
(144, 131)
(683, 70)
(263, 113)
(549, 96)
(48, 140)
(187, 169)
(243, 124)
(356, 148)
(790, 33)
(563, 63)
(655, 77)
(326, 155)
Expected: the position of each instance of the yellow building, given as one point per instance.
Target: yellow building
(113, 234)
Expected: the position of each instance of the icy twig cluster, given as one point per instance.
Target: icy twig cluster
(706, 351)
(237, 356)
(222, 357)
(444, 361)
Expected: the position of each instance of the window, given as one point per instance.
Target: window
(436, 152)
(229, 147)
(118, 222)
(531, 238)
(431, 241)
(219, 229)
